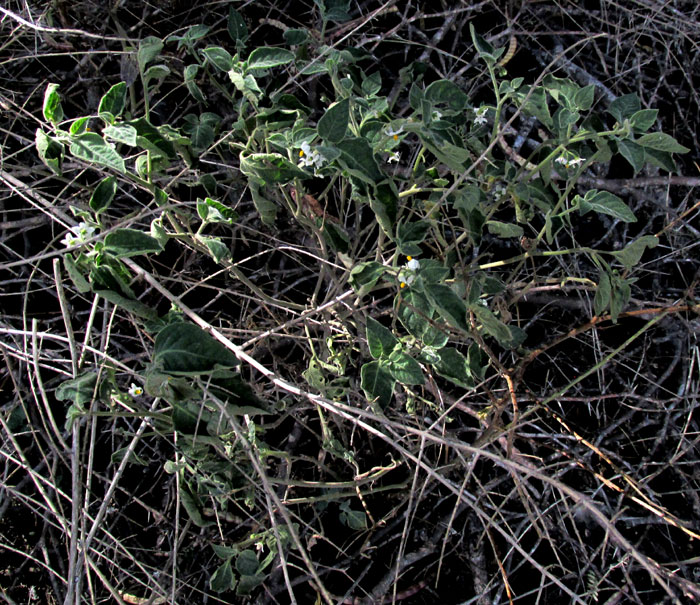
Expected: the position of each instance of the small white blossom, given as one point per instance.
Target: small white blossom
(569, 162)
(394, 157)
(480, 117)
(70, 240)
(135, 390)
(435, 115)
(408, 275)
(79, 234)
(394, 133)
(310, 157)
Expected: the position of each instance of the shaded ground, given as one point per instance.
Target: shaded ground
(592, 497)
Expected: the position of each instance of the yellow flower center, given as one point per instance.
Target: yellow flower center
(301, 153)
(396, 137)
(402, 284)
(409, 258)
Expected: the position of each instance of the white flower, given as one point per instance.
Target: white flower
(70, 240)
(135, 390)
(408, 275)
(394, 133)
(394, 157)
(79, 234)
(569, 162)
(480, 117)
(310, 157)
(435, 115)
(84, 230)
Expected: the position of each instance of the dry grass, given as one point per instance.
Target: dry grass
(568, 475)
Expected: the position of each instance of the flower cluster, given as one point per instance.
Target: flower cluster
(408, 275)
(310, 157)
(78, 234)
(569, 160)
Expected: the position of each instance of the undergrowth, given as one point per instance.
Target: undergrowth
(333, 302)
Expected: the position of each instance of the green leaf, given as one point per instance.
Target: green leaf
(266, 57)
(271, 168)
(295, 36)
(53, 112)
(266, 208)
(218, 57)
(79, 390)
(334, 123)
(483, 48)
(380, 340)
(201, 130)
(451, 364)
(405, 369)
(416, 314)
(619, 296)
(357, 157)
(377, 383)
(354, 519)
(624, 107)
(190, 37)
(50, 151)
(246, 584)
(237, 28)
(602, 294)
(662, 159)
(153, 138)
(448, 93)
(384, 203)
(335, 236)
(149, 49)
(218, 249)
(189, 75)
(225, 552)
(633, 153)
(186, 349)
(643, 119)
(584, 97)
(504, 229)
(191, 504)
(156, 72)
(79, 125)
(247, 563)
(124, 243)
(364, 276)
(450, 306)
(492, 325)
(661, 142)
(113, 102)
(107, 277)
(121, 133)
(212, 211)
(536, 104)
(91, 147)
(630, 255)
(81, 284)
(128, 304)
(103, 194)
(409, 235)
(222, 579)
(605, 202)
(372, 84)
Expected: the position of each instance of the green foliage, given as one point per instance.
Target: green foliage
(319, 170)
